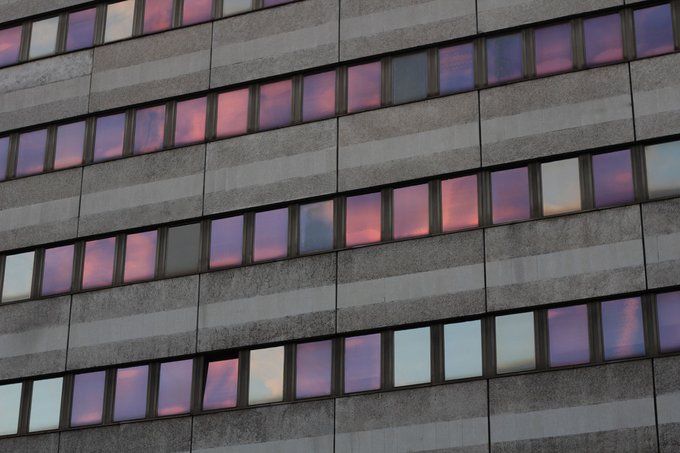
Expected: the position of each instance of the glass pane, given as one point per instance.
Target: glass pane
(88, 398)
(411, 211)
(561, 186)
(230, 7)
(668, 314)
(18, 277)
(412, 357)
(10, 403)
(318, 100)
(613, 178)
(265, 384)
(190, 122)
(316, 226)
(183, 249)
(45, 404)
(140, 256)
(80, 34)
(504, 58)
(70, 143)
(4, 157)
(653, 30)
(409, 77)
(460, 207)
(276, 100)
(275, 2)
(622, 328)
(553, 49)
(109, 137)
(157, 15)
(43, 37)
(149, 129)
(604, 40)
(98, 263)
(130, 395)
(362, 363)
(271, 235)
(119, 20)
(31, 154)
(232, 113)
(363, 224)
(569, 338)
(663, 168)
(174, 390)
(226, 242)
(510, 195)
(221, 384)
(456, 68)
(58, 270)
(515, 350)
(196, 11)
(463, 350)
(363, 86)
(10, 41)
(313, 366)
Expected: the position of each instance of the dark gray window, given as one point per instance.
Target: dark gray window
(183, 251)
(409, 77)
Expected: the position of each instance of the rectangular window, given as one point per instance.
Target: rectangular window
(613, 178)
(318, 96)
(409, 77)
(362, 363)
(230, 7)
(412, 357)
(265, 383)
(460, 206)
(363, 219)
(18, 276)
(456, 68)
(119, 18)
(663, 168)
(43, 37)
(275, 2)
(45, 404)
(4, 157)
(221, 384)
(109, 137)
(157, 15)
(183, 249)
(58, 270)
(504, 58)
(276, 104)
(149, 129)
(463, 350)
(271, 235)
(226, 242)
(232, 113)
(569, 340)
(603, 39)
(561, 186)
(10, 404)
(316, 226)
(196, 11)
(653, 30)
(131, 391)
(174, 389)
(313, 365)
(510, 195)
(88, 398)
(31, 153)
(622, 329)
(70, 144)
(10, 42)
(411, 211)
(140, 256)
(668, 314)
(190, 121)
(80, 31)
(515, 344)
(553, 49)
(98, 263)
(363, 86)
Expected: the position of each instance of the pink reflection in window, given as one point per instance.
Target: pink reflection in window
(174, 391)
(362, 363)
(510, 195)
(140, 256)
(613, 178)
(157, 15)
(603, 39)
(109, 137)
(318, 97)
(190, 123)
(456, 68)
(70, 144)
(4, 157)
(460, 208)
(10, 41)
(276, 104)
(196, 11)
(363, 223)
(31, 153)
(80, 32)
(221, 384)
(149, 129)
(653, 30)
(98, 263)
(363, 86)
(569, 340)
(88, 398)
(226, 242)
(411, 211)
(130, 399)
(622, 329)
(313, 363)
(271, 235)
(232, 113)
(553, 49)
(57, 270)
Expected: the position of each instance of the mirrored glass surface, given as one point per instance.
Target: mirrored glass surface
(613, 178)
(316, 226)
(456, 68)
(515, 347)
(70, 144)
(45, 404)
(412, 357)
(232, 113)
(183, 249)
(411, 211)
(553, 49)
(4, 157)
(196, 11)
(569, 340)
(140, 256)
(10, 42)
(409, 77)
(80, 31)
(313, 365)
(460, 206)
(190, 121)
(603, 39)
(653, 30)
(510, 195)
(98, 263)
(131, 393)
(10, 403)
(174, 388)
(221, 384)
(561, 186)
(230, 7)
(463, 350)
(119, 18)
(362, 363)
(271, 235)
(363, 86)
(265, 384)
(318, 96)
(157, 15)
(109, 137)
(149, 129)
(18, 276)
(663, 168)
(362, 223)
(88, 398)
(668, 314)
(43, 37)
(504, 58)
(31, 153)
(276, 104)
(622, 329)
(58, 270)
(226, 242)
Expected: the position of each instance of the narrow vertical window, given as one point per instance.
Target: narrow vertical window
(460, 205)
(109, 137)
(561, 186)
(174, 389)
(131, 391)
(569, 340)
(504, 58)
(663, 168)
(58, 270)
(276, 101)
(318, 96)
(313, 366)
(515, 344)
(363, 219)
(43, 37)
(230, 7)
(553, 49)
(140, 256)
(456, 68)
(183, 249)
(157, 15)
(622, 329)
(316, 226)
(668, 314)
(80, 31)
(10, 404)
(190, 122)
(411, 211)
(409, 77)
(363, 86)
(265, 384)
(463, 350)
(31, 153)
(221, 384)
(510, 195)
(70, 144)
(88, 398)
(271, 235)
(653, 30)
(149, 129)
(10, 42)
(412, 357)
(18, 276)
(362, 363)
(4, 157)
(196, 11)
(226, 242)
(603, 39)
(232, 113)
(613, 178)
(119, 18)
(98, 263)
(45, 404)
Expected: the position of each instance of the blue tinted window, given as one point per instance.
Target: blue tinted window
(622, 328)
(504, 58)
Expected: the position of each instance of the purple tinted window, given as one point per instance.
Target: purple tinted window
(553, 49)
(604, 40)
(362, 363)
(653, 30)
(140, 256)
(275, 2)
(31, 154)
(149, 129)
(460, 207)
(668, 314)
(362, 223)
(4, 157)
(363, 86)
(174, 390)
(411, 211)
(569, 338)
(232, 113)
(226, 242)
(313, 369)
(196, 11)
(221, 384)
(318, 99)
(109, 137)
(622, 328)
(81, 29)
(276, 104)
(98, 263)
(510, 195)
(130, 400)
(316, 226)
(70, 144)
(504, 58)
(157, 15)
(271, 235)
(190, 122)
(57, 270)
(10, 40)
(88, 398)
(613, 178)
(456, 68)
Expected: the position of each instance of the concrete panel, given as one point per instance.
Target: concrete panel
(448, 418)
(662, 242)
(270, 302)
(411, 281)
(604, 408)
(45, 90)
(369, 27)
(33, 337)
(274, 41)
(569, 112)
(143, 190)
(286, 428)
(270, 167)
(135, 322)
(44, 443)
(151, 67)
(409, 141)
(39, 209)
(580, 256)
(17, 9)
(666, 372)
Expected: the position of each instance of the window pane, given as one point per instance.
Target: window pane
(363, 224)
(10, 41)
(10, 402)
(460, 207)
(31, 154)
(149, 129)
(88, 398)
(553, 49)
(515, 349)
(668, 314)
(271, 235)
(57, 270)
(276, 104)
(130, 395)
(622, 328)
(196, 11)
(18, 276)
(230, 7)
(663, 168)
(569, 338)
(318, 100)
(316, 226)
(119, 20)
(363, 86)
(275, 2)
(561, 186)
(140, 256)
(4, 157)
(183, 249)
(190, 122)
(362, 363)
(265, 384)
(80, 32)
(456, 68)
(70, 143)
(412, 357)
(653, 30)
(504, 58)
(313, 364)
(411, 211)
(604, 40)
(109, 137)
(226, 242)
(613, 178)
(221, 384)
(232, 113)
(43, 37)
(510, 195)
(98, 263)
(463, 350)
(157, 15)
(409, 77)
(45, 404)
(174, 390)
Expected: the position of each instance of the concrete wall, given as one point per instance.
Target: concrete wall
(668, 402)
(662, 249)
(17, 9)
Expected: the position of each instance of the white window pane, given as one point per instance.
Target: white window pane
(119, 20)
(18, 277)
(561, 186)
(515, 350)
(266, 375)
(463, 350)
(10, 402)
(43, 37)
(230, 7)
(412, 356)
(45, 404)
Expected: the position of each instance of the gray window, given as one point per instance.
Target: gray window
(43, 37)
(463, 350)
(18, 277)
(561, 186)
(663, 168)
(409, 77)
(515, 347)
(10, 402)
(412, 356)
(45, 404)
(183, 251)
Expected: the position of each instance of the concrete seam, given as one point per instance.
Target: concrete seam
(632, 101)
(644, 251)
(656, 412)
(476, 16)
(488, 416)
